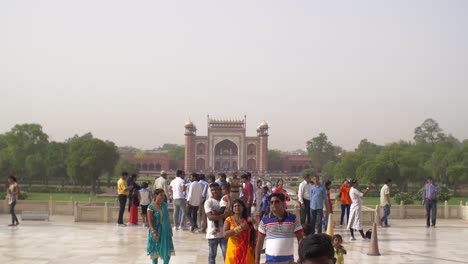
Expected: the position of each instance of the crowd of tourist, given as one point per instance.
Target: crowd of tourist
(222, 210)
(245, 221)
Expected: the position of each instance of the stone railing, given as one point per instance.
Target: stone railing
(445, 211)
(464, 211)
(51, 206)
(108, 211)
(368, 214)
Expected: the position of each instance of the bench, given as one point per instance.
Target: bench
(35, 215)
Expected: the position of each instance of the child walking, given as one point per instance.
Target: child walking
(340, 251)
(145, 197)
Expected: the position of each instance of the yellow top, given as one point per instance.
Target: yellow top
(122, 187)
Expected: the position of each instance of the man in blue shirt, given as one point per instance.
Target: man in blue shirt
(429, 197)
(318, 198)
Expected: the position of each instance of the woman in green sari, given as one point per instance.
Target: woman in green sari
(160, 233)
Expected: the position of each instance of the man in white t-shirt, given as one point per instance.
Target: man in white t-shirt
(194, 198)
(385, 202)
(177, 188)
(213, 213)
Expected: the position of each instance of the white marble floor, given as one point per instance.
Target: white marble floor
(63, 241)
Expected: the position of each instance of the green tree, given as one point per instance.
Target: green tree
(35, 166)
(90, 158)
(125, 165)
(274, 155)
(328, 170)
(429, 132)
(26, 145)
(320, 151)
(348, 164)
(457, 170)
(6, 165)
(56, 160)
(310, 171)
(439, 161)
(368, 148)
(175, 152)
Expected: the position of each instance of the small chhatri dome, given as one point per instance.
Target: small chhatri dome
(263, 125)
(189, 123)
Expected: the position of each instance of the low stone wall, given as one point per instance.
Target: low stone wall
(368, 214)
(464, 211)
(108, 212)
(104, 212)
(419, 211)
(51, 206)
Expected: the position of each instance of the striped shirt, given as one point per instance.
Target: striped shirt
(280, 235)
(430, 192)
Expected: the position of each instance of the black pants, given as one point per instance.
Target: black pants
(249, 211)
(192, 212)
(14, 219)
(305, 212)
(122, 202)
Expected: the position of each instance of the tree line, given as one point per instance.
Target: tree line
(26, 152)
(408, 163)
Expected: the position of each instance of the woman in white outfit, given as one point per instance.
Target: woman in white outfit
(355, 218)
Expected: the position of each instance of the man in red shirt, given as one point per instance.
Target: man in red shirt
(247, 197)
(345, 200)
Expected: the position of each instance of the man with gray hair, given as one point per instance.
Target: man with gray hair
(161, 183)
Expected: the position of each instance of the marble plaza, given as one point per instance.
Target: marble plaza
(63, 241)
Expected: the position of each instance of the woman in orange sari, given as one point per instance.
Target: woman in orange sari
(238, 228)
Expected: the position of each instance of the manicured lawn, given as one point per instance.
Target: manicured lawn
(372, 201)
(67, 196)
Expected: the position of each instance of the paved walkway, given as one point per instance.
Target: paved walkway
(63, 241)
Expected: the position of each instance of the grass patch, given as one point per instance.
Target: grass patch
(67, 197)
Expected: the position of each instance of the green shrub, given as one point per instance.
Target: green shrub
(23, 195)
(444, 194)
(405, 197)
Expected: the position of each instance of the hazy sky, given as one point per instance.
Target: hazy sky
(134, 71)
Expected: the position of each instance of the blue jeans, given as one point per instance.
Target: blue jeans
(431, 205)
(14, 219)
(179, 212)
(213, 248)
(316, 220)
(325, 220)
(345, 207)
(386, 213)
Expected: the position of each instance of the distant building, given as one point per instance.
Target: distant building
(149, 161)
(226, 147)
(290, 163)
